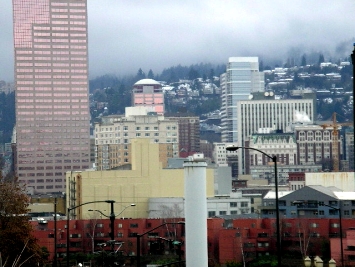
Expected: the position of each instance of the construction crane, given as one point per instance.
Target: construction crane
(335, 138)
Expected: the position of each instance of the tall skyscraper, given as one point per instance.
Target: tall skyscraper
(242, 78)
(51, 83)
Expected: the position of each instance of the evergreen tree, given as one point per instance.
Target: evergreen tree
(193, 74)
(321, 59)
(140, 75)
(150, 74)
(211, 76)
(304, 61)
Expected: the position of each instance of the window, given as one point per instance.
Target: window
(233, 204)
(222, 212)
(133, 225)
(211, 213)
(244, 204)
(314, 225)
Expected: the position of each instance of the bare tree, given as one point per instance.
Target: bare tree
(174, 211)
(92, 225)
(304, 236)
(16, 232)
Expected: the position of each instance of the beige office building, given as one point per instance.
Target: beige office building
(113, 137)
(146, 179)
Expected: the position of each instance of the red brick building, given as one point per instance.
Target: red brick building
(228, 239)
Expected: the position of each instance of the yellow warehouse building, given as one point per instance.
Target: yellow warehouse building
(145, 179)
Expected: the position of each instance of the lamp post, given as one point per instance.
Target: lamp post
(68, 215)
(274, 160)
(55, 233)
(151, 230)
(353, 62)
(112, 217)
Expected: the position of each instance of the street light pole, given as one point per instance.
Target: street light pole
(55, 233)
(340, 228)
(112, 221)
(274, 160)
(68, 215)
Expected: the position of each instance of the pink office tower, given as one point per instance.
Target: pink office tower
(148, 93)
(51, 78)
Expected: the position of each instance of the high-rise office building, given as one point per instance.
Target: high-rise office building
(51, 83)
(242, 78)
(269, 113)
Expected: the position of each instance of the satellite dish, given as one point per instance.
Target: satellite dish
(250, 96)
(266, 94)
(271, 93)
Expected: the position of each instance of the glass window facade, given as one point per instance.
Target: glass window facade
(51, 79)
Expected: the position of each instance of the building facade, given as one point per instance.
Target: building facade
(349, 148)
(232, 204)
(51, 84)
(189, 135)
(277, 114)
(315, 145)
(148, 93)
(242, 78)
(113, 136)
(146, 178)
(229, 240)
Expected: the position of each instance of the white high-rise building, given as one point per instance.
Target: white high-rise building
(51, 85)
(242, 78)
(277, 114)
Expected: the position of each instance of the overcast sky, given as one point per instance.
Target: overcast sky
(125, 35)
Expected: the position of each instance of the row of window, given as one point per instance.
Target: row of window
(126, 128)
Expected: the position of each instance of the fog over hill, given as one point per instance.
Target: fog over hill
(127, 35)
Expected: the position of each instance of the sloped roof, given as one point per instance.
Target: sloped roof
(312, 191)
(272, 194)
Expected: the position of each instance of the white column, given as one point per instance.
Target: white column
(195, 212)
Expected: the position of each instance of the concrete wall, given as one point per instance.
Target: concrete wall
(342, 180)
